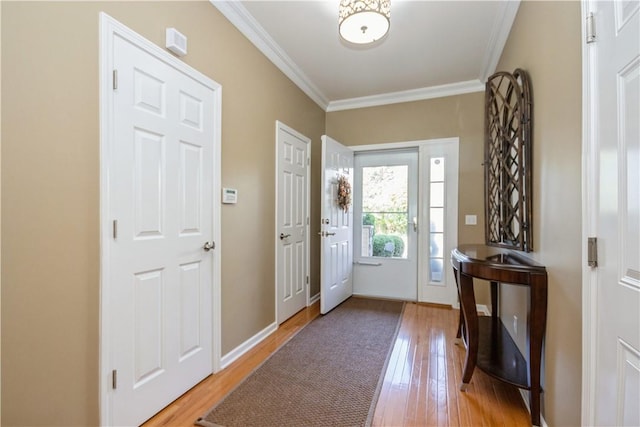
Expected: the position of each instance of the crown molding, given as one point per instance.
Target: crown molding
(407, 95)
(498, 38)
(251, 29)
(238, 15)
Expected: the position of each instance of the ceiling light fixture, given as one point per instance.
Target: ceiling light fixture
(364, 21)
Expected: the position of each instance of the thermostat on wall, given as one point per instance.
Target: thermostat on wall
(229, 195)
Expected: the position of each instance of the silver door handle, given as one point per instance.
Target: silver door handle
(284, 236)
(415, 224)
(208, 246)
(373, 264)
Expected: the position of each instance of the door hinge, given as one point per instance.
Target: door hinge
(307, 220)
(115, 79)
(114, 379)
(592, 251)
(591, 28)
(308, 161)
(307, 280)
(115, 229)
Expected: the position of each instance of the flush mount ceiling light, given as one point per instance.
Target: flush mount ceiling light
(364, 21)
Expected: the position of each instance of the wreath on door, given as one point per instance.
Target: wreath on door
(344, 193)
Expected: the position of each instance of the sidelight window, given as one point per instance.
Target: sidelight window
(437, 209)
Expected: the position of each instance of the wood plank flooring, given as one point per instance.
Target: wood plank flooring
(421, 384)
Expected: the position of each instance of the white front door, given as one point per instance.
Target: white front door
(386, 228)
(292, 218)
(160, 197)
(612, 357)
(336, 265)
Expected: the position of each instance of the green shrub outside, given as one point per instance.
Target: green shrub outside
(369, 219)
(381, 240)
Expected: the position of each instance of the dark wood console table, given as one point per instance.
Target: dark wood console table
(489, 345)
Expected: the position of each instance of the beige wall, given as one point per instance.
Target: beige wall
(545, 41)
(50, 190)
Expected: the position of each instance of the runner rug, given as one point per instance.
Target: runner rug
(329, 374)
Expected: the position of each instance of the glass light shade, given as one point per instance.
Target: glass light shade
(364, 21)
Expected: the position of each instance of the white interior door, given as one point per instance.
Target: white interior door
(292, 259)
(612, 357)
(386, 224)
(336, 266)
(160, 163)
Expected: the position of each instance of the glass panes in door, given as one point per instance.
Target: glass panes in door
(384, 211)
(436, 218)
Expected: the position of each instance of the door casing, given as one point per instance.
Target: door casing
(109, 29)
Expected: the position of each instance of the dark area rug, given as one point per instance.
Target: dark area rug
(329, 374)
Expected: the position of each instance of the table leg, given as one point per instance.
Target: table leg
(460, 317)
(468, 308)
(460, 320)
(538, 310)
(494, 299)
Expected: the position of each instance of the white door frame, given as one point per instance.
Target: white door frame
(452, 230)
(110, 29)
(590, 176)
(284, 127)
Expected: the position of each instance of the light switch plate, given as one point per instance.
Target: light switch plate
(471, 219)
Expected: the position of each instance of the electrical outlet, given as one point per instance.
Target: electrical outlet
(515, 325)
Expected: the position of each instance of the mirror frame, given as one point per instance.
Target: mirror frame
(507, 161)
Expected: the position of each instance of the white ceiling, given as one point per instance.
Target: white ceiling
(434, 48)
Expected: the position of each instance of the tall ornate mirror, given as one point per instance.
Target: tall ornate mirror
(507, 161)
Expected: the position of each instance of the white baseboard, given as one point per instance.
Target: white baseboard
(237, 352)
(483, 309)
(525, 399)
(314, 298)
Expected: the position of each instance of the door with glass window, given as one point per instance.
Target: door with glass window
(386, 224)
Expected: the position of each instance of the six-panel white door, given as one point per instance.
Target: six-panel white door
(161, 195)
(292, 221)
(615, 120)
(336, 265)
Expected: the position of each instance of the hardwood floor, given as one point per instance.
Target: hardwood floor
(421, 384)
